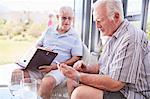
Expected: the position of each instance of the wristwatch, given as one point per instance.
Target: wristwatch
(78, 78)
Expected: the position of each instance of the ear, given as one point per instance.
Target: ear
(116, 16)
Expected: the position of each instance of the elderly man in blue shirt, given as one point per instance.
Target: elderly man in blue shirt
(64, 40)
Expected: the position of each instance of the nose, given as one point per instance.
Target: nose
(98, 24)
(67, 21)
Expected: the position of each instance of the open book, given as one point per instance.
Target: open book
(36, 57)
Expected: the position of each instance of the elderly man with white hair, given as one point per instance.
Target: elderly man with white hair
(64, 40)
(122, 71)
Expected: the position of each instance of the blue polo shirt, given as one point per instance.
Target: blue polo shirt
(66, 45)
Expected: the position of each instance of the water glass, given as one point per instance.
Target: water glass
(15, 90)
(14, 85)
(29, 90)
(17, 76)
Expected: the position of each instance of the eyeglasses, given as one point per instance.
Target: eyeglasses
(65, 18)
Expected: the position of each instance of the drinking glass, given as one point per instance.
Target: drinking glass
(14, 85)
(29, 90)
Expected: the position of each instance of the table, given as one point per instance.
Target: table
(4, 92)
(5, 75)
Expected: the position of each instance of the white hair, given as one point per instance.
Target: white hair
(66, 9)
(112, 6)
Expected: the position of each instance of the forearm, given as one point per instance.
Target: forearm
(72, 60)
(101, 82)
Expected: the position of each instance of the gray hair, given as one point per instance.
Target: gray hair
(112, 6)
(66, 9)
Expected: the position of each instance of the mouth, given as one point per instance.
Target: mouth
(101, 29)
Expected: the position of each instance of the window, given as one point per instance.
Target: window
(134, 9)
(78, 15)
(137, 13)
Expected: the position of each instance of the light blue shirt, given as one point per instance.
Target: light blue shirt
(66, 45)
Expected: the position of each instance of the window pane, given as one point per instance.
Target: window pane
(78, 15)
(134, 7)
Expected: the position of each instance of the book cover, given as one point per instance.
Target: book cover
(36, 57)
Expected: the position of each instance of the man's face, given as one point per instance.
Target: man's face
(104, 23)
(65, 21)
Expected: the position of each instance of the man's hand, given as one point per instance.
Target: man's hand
(68, 71)
(46, 69)
(80, 66)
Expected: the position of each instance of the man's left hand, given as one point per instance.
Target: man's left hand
(68, 71)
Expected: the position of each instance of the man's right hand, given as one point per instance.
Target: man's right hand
(80, 66)
(46, 69)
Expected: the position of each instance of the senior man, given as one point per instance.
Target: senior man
(121, 72)
(61, 39)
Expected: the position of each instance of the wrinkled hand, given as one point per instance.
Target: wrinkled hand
(68, 71)
(80, 66)
(46, 69)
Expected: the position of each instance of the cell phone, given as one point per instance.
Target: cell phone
(58, 63)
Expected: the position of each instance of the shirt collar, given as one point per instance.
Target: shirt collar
(122, 28)
(70, 32)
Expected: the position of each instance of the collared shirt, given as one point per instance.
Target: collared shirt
(66, 45)
(122, 59)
